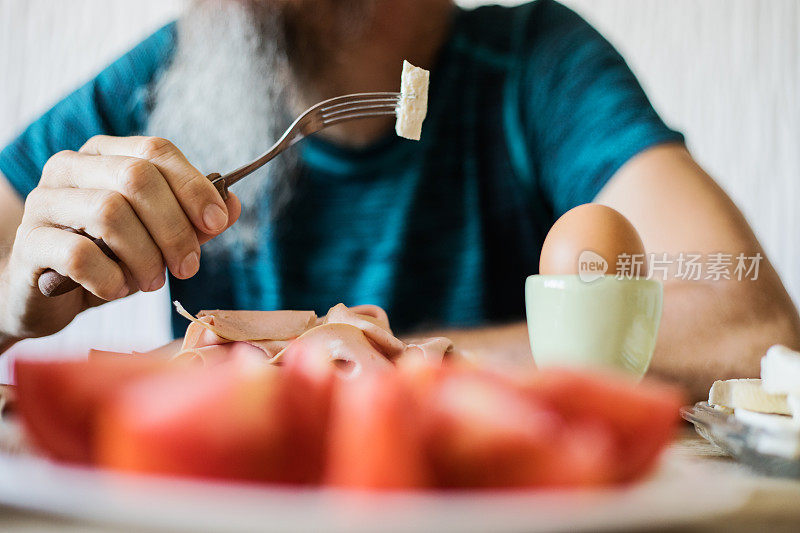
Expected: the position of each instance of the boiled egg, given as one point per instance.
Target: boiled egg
(593, 238)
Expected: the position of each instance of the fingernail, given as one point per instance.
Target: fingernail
(157, 282)
(214, 217)
(190, 265)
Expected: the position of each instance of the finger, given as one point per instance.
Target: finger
(76, 257)
(234, 211)
(129, 279)
(108, 215)
(198, 197)
(146, 191)
(90, 300)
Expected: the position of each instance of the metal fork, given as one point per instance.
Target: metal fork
(314, 119)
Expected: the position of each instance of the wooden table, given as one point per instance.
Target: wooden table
(772, 504)
(769, 504)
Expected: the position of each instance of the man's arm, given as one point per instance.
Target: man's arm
(10, 216)
(11, 207)
(505, 345)
(709, 329)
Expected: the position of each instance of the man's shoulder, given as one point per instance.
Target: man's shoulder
(511, 31)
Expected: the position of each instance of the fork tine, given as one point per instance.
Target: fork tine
(357, 109)
(334, 104)
(344, 118)
(356, 105)
(356, 99)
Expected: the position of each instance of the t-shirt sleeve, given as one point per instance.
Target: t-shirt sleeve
(113, 103)
(584, 112)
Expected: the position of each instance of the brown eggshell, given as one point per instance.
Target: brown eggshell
(599, 229)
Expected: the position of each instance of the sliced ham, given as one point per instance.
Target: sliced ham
(199, 334)
(346, 346)
(430, 352)
(351, 338)
(374, 324)
(102, 354)
(253, 325)
(221, 353)
(204, 355)
(272, 349)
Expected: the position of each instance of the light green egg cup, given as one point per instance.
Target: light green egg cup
(607, 323)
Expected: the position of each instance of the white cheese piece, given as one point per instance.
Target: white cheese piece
(780, 371)
(413, 104)
(794, 405)
(769, 422)
(747, 394)
(779, 434)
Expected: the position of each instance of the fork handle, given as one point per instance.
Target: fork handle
(52, 284)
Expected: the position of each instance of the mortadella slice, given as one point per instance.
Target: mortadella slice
(344, 345)
(221, 353)
(271, 348)
(431, 352)
(253, 325)
(353, 338)
(373, 322)
(198, 335)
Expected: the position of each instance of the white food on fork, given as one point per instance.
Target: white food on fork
(413, 104)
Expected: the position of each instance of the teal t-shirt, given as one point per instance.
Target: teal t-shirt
(531, 111)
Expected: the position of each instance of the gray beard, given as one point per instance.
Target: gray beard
(225, 97)
(223, 100)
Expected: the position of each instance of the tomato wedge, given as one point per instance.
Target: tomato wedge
(642, 417)
(57, 400)
(228, 422)
(484, 431)
(302, 423)
(375, 440)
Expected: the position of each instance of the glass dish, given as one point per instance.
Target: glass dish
(775, 452)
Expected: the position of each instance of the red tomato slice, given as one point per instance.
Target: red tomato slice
(642, 417)
(375, 440)
(484, 431)
(410, 428)
(57, 400)
(230, 421)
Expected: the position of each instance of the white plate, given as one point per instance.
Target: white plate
(681, 492)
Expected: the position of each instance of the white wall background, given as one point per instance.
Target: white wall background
(48, 48)
(725, 72)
